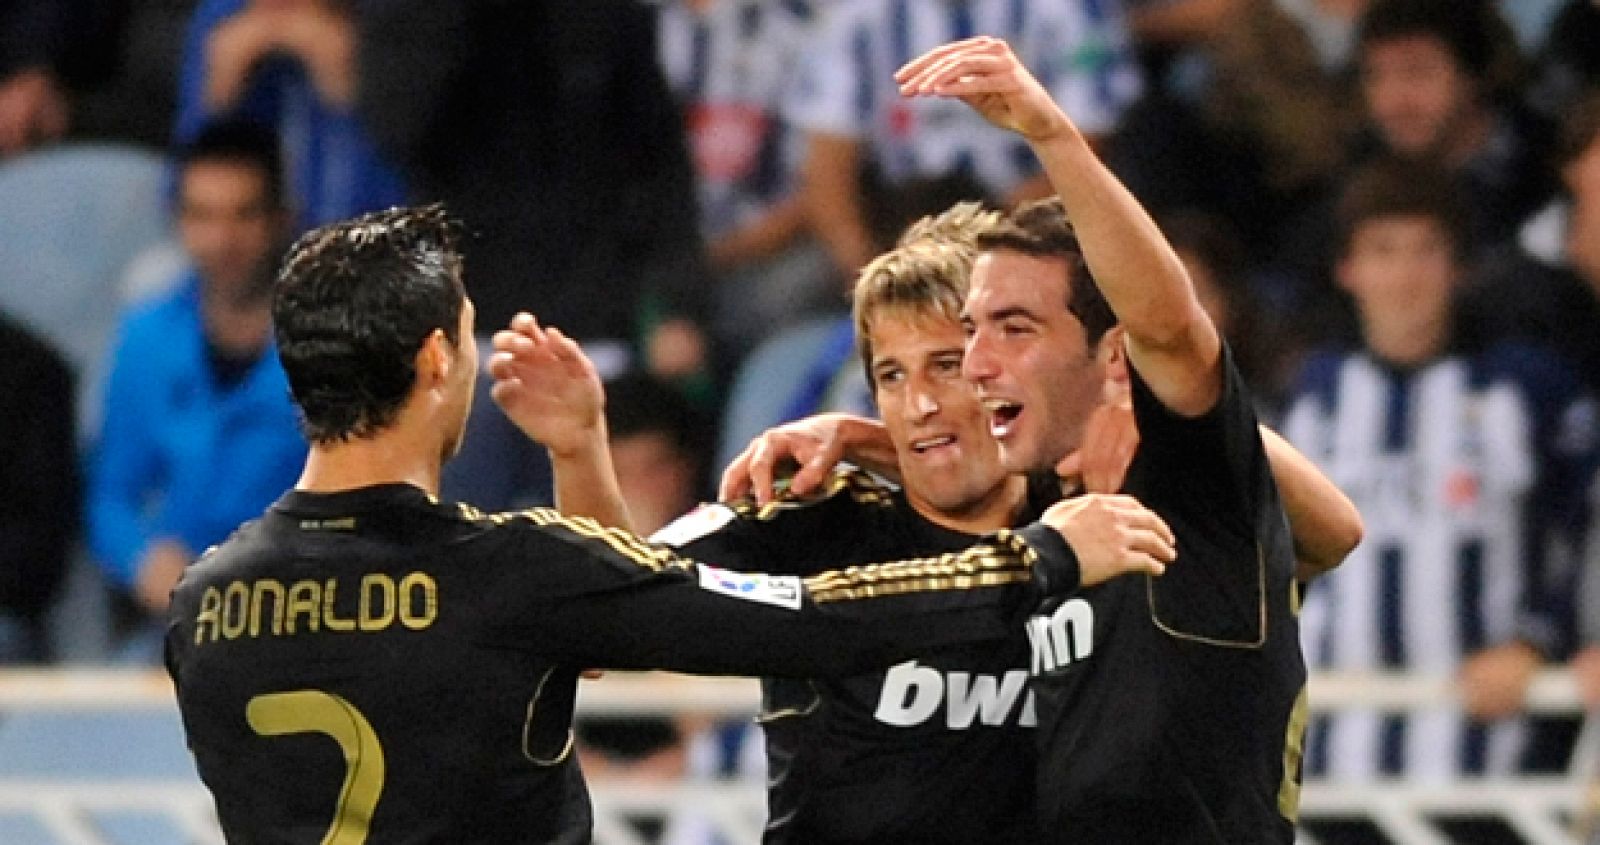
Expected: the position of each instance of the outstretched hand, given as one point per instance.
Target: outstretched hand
(983, 73)
(816, 445)
(546, 386)
(1112, 535)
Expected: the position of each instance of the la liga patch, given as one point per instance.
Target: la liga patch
(778, 590)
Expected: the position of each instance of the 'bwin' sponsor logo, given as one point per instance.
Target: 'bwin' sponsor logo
(1062, 637)
(911, 695)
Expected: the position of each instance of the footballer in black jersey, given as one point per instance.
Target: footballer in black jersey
(1170, 711)
(937, 749)
(373, 663)
(1173, 709)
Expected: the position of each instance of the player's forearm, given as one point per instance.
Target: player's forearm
(1323, 521)
(1136, 268)
(1172, 341)
(585, 482)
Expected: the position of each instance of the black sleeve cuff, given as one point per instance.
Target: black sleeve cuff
(1055, 571)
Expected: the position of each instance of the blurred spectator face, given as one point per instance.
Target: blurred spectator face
(657, 479)
(226, 221)
(1401, 271)
(939, 430)
(1416, 93)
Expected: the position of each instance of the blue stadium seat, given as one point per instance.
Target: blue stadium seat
(71, 219)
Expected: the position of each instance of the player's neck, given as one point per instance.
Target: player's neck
(396, 455)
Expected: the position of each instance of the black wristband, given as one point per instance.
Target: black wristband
(1056, 572)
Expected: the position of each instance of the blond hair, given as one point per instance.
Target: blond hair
(925, 276)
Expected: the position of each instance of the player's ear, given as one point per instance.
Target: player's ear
(1113, 355)
(435, 359)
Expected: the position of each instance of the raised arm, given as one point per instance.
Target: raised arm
(550, 390)
(1170, 340)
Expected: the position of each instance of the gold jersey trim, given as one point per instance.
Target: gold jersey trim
(527, 727)
(1293, 749)
(1261, 612)
(1009, 560)
(630, 546)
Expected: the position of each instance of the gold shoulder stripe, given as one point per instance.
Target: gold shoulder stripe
(626, 544)
(981, 565)
(923, 585)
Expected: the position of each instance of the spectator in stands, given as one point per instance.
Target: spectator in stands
(659, 445)
(290, 65)
(729, 63)
(862, 136)
(38, 483)
(1431, 76)
(97, 69)
(199, 434)
(1455, 458)
(1242, 122)
(1549, 288)
(548, 127)
(33, 104)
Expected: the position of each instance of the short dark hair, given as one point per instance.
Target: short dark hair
(238, 142)
(1467, 28)
(353, 303)
(1394, 187)
(1041, 229)
(640, 403)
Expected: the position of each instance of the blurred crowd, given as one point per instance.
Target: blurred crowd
(1392, 208)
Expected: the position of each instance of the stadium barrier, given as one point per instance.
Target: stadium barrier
(95, 757)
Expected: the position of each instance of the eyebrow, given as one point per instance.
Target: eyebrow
(1005, 313)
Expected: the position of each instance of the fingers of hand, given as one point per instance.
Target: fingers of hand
(762, 462)
(1148, 520)
(937, 54)
(1148, 542)
(955, 73)
(525, 323)
(736, 478)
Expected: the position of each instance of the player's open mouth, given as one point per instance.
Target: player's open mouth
(1003, 415)
(928, 444)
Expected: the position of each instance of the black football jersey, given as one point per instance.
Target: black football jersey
(1172, 709)
(936, 749)
(375, 665)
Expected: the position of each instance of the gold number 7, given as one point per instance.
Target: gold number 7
(306, 711)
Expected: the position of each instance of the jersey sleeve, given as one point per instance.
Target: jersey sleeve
(1208, 477)
(602, 598)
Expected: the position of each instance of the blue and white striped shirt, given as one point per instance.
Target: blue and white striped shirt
(1078, 49)
(1443, 463)
(730, 66)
